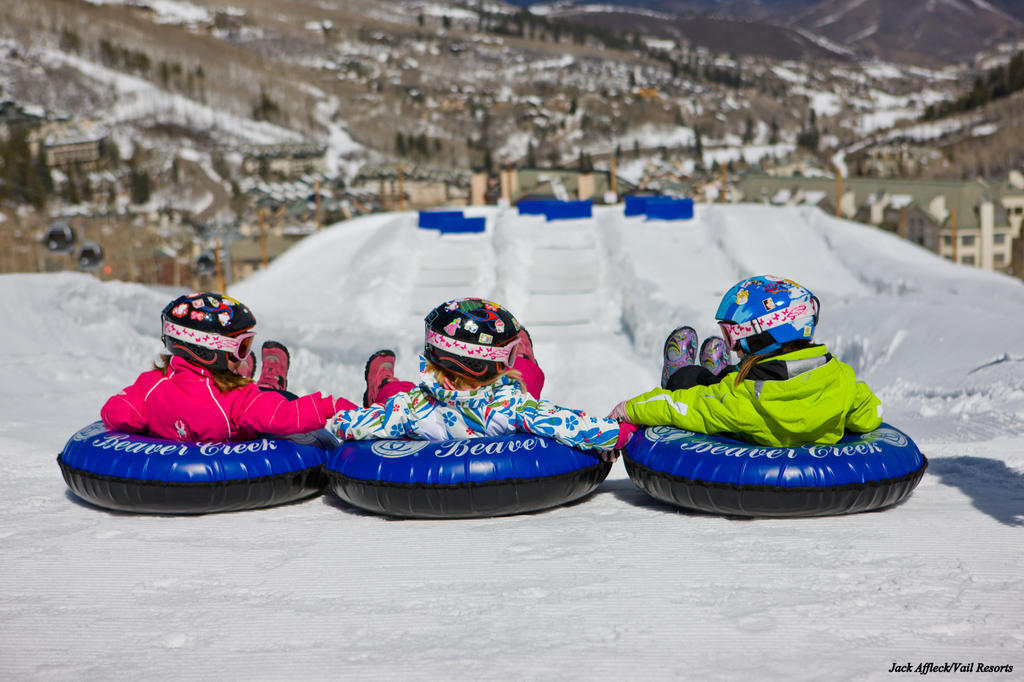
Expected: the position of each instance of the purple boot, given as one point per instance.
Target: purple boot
(380, 369)
(714, 356)
(274, 360)
(680, 351)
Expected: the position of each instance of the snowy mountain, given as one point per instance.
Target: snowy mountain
(948, 30)
(908, 30)
(616, 586)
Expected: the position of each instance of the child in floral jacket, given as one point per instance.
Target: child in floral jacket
(474, 371)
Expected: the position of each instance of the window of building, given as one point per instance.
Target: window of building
(1018, 210)
(967, 240)
(999, 238)
(998, 259)
(947, 240)
(967, 260)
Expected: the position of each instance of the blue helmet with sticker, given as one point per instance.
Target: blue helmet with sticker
(761, 313)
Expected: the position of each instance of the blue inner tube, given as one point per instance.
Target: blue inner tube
(723, 476)
(136, 473)
(493, 476)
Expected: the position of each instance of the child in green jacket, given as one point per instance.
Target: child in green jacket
(786, 391)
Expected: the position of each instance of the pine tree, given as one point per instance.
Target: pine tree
(748, 130)
(140, 186)
(71, 189)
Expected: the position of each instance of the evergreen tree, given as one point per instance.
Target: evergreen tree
(85, 187)
(531, 155)
(71, 189)
(42, 172)
(140, 186)
(27, 180)
(265, 108)
(748, 130)
(809, 136)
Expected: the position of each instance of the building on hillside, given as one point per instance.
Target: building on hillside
(69, 143)
(796, 163)
(294, 206)
(249, 255)
(902, 216)
(563, 183)
(1011, 197)
(411, 186)
(285, 161)
(968, 222)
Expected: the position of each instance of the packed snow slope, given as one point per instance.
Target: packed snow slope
(615, 586)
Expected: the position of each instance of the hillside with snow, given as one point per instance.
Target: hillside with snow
(615, 586)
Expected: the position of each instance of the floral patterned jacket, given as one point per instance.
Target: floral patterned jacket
(432, 412)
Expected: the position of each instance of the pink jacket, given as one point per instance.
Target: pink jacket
(185, 404)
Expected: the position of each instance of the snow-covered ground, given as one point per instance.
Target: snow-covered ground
(615, 586)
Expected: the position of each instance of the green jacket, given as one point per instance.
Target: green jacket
(798, 398)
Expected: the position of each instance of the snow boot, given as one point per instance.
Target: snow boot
(274, 366)
(247, 368)
(714, 356)
(680, 351)
(380, 369)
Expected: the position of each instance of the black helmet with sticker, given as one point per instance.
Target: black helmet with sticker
(207, 329)
(471, 337)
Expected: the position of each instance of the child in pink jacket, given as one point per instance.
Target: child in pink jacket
(197, 394)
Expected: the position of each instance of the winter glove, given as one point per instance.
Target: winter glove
(626, 431)
(619, 412)
(341, 405)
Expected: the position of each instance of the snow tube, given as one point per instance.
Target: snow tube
(134, 473)
(714, 474)
(493, 476)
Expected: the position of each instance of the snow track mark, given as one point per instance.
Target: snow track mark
(564, 284)
(450, 266)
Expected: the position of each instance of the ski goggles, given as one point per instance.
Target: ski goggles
(503, 355)
(237, 347)
(735, 331)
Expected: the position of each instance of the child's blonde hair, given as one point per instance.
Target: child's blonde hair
(753, 358)
(461, 382)
(226, 381)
